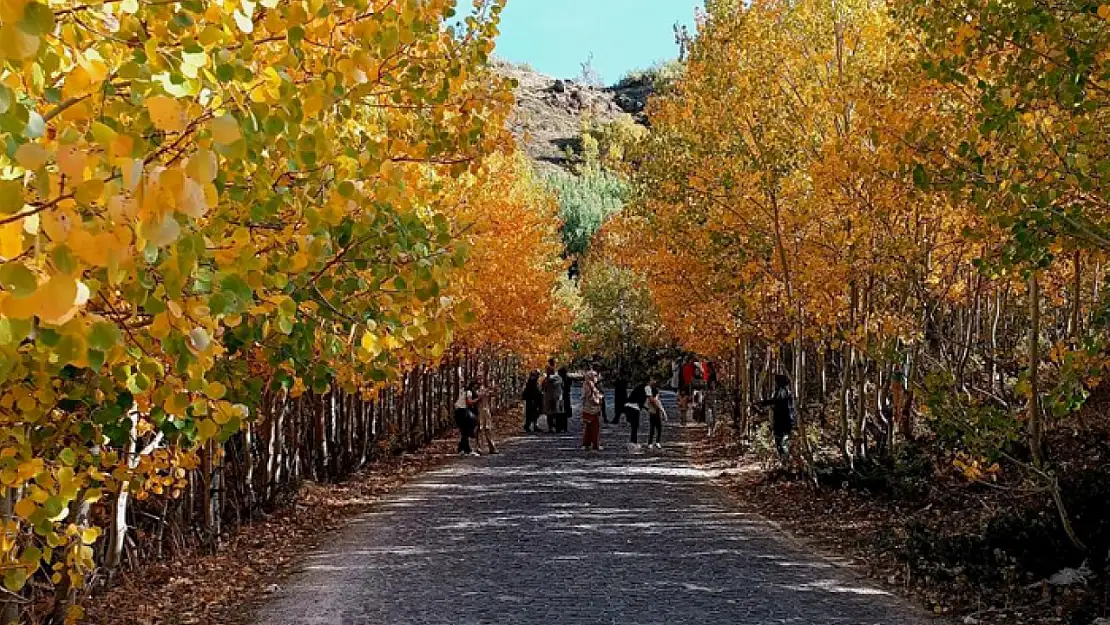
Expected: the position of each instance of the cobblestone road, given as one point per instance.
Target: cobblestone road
(545, 534)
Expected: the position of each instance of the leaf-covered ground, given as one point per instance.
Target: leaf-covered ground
(218, 589)
(981, 553)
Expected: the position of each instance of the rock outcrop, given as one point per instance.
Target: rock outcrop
(550, 112)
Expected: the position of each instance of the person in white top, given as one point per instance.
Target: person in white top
(465, 420)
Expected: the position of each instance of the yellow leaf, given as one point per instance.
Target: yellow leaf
(207, 428)
(95, 250)
(59, 299)
(31, 156)
(162, 231)
(216, 390)
(11, 239)
(17, 44)
(225, 130)
(202, 166)
(191, 199)
(222, 414)
(25, 507)
(19, 307)
(88, 192)
(89, 535)
(166, 113)
(11, 11)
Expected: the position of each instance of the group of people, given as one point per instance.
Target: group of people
(547, 406)
(547, 397)
(474, 417)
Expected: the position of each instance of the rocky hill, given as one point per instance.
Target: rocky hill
(550, 111)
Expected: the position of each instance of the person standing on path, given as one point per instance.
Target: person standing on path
(568, 407)
(485, 417)
(552, 398)
(533, 401)
(656, 415)
(464, 419)
(620, 397)
(591, 412)
(783, 415)
(637, 399)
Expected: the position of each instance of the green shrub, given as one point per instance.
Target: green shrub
(585, 202)
(660, 76)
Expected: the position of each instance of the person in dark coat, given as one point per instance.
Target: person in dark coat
(620, 397)
(568, 411)
(533, 401)
(552, 387)
(783, 415)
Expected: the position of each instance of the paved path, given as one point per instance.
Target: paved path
(545, 534)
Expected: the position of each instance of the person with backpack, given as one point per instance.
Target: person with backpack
(552, 398)
(783, 415)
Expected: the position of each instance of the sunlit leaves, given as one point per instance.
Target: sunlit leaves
(202, 196)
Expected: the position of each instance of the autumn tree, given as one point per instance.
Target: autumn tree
(220, 221)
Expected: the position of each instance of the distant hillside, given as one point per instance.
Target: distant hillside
(549, 111)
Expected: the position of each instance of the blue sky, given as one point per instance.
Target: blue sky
(556, 36)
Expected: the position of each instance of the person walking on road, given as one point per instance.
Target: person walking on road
(464, 419)
(533, 401)
(591, 412)
(485, 417)
(783, 415)
(552, 398)
(656, 416)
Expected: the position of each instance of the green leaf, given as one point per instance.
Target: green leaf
(18, 279)
(920, 176)
(11, 197)
(103, 336)
(37, 20)
(15, 579)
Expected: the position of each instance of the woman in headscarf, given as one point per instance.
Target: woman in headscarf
(591, 412)
(552, 398)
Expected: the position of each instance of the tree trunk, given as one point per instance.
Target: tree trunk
(1036, 425)
(9, 603)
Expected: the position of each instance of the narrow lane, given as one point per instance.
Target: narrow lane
(546, 534)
